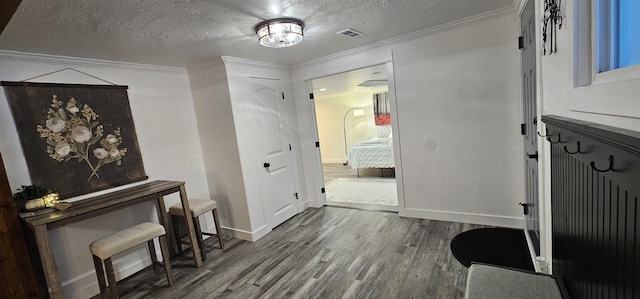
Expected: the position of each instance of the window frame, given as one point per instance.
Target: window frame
(605, 65)
(586, 68)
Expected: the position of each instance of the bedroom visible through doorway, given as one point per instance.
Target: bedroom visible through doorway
(356, 144)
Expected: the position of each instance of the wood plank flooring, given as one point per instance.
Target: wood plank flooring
(328, 252)
(338, 170)
(333, 171)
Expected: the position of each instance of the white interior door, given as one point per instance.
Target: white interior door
(529, 105)
(273, 152)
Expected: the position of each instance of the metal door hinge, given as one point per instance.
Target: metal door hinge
(289, 146)
(310, 96)
(283, 95)
(322, 190)
(520, 42)
(525, 207)
(317, 143)
(523, 129)
(296, 195)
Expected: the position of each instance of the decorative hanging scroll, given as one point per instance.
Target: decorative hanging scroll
(551, 21)
(76, 138)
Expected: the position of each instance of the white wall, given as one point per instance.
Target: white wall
(330, 115)
(225, 112)
(210, 89)
(614, 103)
(460, 89)
(162, 109)
(611, 99)
(245, 77)
(458, 86)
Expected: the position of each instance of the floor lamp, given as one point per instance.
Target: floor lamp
(357, 111)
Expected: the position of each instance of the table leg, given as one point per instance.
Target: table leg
(163, 218)
(193, 239)
(48, 262)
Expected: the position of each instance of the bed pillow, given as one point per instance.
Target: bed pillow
(384, 131)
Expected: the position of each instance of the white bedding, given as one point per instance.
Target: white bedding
(372, 153)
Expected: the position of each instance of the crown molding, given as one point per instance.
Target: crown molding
(84, 62)
(413, 35)
(248, 62)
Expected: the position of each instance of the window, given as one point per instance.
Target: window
(617, 38)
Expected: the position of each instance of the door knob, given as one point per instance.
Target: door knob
(266, 164)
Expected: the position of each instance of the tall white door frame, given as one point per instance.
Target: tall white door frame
(536, 224)
(318, 177)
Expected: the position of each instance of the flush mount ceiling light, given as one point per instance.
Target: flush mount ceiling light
(280, 33)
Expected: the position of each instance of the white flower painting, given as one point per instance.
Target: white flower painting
(76, 134)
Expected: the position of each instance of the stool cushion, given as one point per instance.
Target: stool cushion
(106, 247)
(487, 281)
(197, 207)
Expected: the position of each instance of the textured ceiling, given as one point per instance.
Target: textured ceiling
(345, 84)
(187, 32)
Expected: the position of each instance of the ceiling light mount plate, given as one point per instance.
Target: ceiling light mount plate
(280, 32)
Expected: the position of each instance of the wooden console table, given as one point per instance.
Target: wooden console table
(100, 205)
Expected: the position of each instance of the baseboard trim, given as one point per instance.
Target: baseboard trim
(314, 204)
(247, 235)
(333, 160)
(493, 220)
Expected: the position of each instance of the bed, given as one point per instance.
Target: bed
(373, 153)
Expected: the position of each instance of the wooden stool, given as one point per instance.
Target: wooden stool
(103, 249)
(197, 207)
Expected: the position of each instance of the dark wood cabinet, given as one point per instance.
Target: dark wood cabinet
(17, 278)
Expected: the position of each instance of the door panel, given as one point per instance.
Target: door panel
(530, 113)
(273, 152)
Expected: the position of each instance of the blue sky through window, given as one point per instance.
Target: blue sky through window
(629, 32)
(617, 34)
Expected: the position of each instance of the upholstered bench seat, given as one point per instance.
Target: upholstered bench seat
(197, 207)
(487, 281)
(125, 239)
(105, 248)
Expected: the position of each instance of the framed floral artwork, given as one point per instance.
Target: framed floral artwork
(76, 138)
(381, 109)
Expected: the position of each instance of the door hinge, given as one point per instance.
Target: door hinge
(289, 146)
(296, 195)
(520, 42)
(283, 95)
(525, 207)
(310, 96)
(317, 143)
(523, 129)
(322, 190)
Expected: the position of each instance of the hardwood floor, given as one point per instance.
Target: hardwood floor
(333, 171)
(338, 170)
(322, 253)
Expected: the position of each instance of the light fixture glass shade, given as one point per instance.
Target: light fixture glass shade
(280, 33)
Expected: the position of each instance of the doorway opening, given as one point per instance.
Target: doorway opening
(356, 144)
